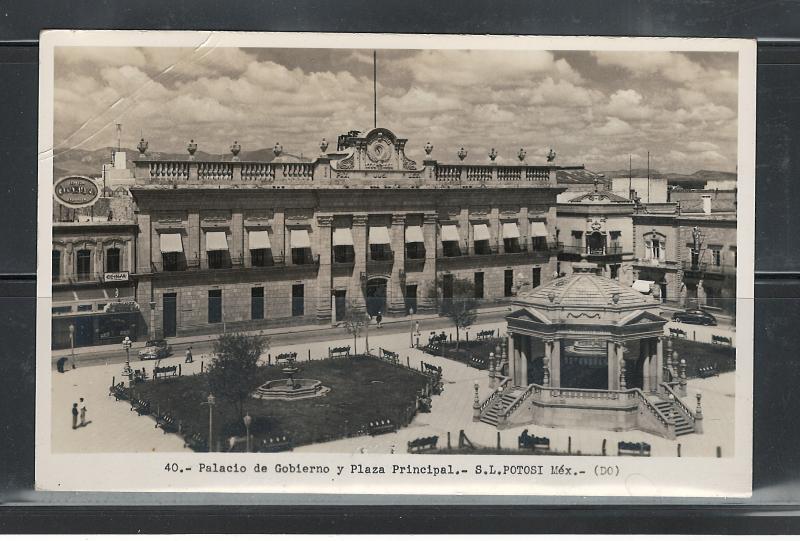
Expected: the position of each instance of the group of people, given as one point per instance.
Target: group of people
(79, 408)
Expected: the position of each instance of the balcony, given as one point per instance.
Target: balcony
(610, 250)
(203, 266)
(380, 261)
(525, 253)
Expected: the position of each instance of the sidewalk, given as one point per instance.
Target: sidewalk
(388, 321)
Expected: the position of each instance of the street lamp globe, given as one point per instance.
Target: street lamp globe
(248, 420)
(212, 400)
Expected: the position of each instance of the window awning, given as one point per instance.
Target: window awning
(510, 230)
(480, 232)
(538, 229)
(171, 243)
(216, 241)
(342, 236)
(379, 235)
(642, 286)
(414, 234)
(298, 238)
(450, 233)
(259, 240)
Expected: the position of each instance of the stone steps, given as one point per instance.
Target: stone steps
(682, 424)
(491, 415)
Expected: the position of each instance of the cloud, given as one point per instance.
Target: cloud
(614, 126)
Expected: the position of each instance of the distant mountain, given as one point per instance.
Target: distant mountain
(78, 161)
(701, 176)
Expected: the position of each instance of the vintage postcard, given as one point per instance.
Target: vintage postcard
(395, 264)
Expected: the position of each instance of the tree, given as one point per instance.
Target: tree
(461, 307)
(232, 373)
(354, 322)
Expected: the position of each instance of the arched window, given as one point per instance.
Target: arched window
(655, 247)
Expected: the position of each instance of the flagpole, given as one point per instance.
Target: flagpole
(375, 88)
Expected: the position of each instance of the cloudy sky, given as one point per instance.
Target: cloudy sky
(593, 108)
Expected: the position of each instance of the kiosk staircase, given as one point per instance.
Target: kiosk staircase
(683, 425)
(492, 413)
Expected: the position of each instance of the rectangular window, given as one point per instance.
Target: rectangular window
(478, 285)
(415, 250)
(258, 257)
(298, 300)
(62, 309)
(536, 277)
(301, 256)
(84, 308)
(171, 261)
(450, 248)
(538, 244)
(214, 305)
(482, 247)
(56, 265)
(615, 246)
(716, 257)
(84, 264)
(508, 282)
(344, 254)
(511, 246)
(380, 252)
(112, 260)
(656, 249)
(257, 303)
(218, 259)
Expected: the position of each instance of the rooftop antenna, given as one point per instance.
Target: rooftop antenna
(648, 176)
(375, 88)
(630, 176)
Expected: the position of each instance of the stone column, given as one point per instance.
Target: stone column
(355, 290)
(555, 364)
(613, 365)
(192, 248)
(659, 364)
(397, 303)
(237, 238)
(644, 354)
(496, 230)
(428, 278)
(324, 283)
(525, 348)
(512, 356)
(143, 249)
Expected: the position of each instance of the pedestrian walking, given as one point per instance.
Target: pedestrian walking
(74, 416)
(378, 319)
(189, 358)
(82, 408)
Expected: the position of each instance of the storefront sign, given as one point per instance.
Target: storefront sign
(116, 277)
(76, 191)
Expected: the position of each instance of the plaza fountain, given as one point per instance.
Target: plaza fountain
(290, 388)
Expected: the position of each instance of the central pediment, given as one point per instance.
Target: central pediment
(378, 150)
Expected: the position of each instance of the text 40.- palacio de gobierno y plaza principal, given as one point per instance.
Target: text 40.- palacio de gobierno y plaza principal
(201, 245)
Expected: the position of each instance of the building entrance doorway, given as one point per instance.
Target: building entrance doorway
(595, 243)
(340, 298)
(170, 314)
(376, 296)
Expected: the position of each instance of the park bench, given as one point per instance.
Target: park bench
(343, 351)
(140, 375)
(290, 357)
(275, 444)
(529, 441)
(485, 335)
(196, 442)
(677, 333)
(166, 372)
(432, 369)
(477, 362)
(631, 448)
(424, 404)
(141, 407)
(721, 340)
(390, 356)
(707, 372)
(423, 444)
(166, 422)
(383, 426)
(118, 391)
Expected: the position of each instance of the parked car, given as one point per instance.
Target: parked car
(694, 316)
(155, 349)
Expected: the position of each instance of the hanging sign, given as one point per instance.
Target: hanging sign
(76, 191)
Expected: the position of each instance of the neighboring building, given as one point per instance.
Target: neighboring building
(575, 179)
(234, 244)
(647, 190)
(688, 256)
(597, 226)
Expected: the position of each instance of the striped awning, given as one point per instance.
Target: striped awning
(642, 286)
(450, 233)
(216, 241)
(414, 234)
(298, 238)
(510, 230)
(342, 236)
(259, 240)
(538, 229)
(379, 235)
(480, 232)
(171, 243)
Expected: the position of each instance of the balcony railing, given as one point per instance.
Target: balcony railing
(496, 250)
(196, 265)
(583, 250)
(703, 267)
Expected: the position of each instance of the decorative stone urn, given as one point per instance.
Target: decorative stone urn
(323, 145)
(236, 148)
(521, 154)
(492, 154)
(277, 149)
(462, 153)
(192, 148)
(428, 148)
(142, 146)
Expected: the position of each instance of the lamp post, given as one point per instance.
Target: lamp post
(72, 342)
(411, 333)
(476, 403)
(212, 400)
(247, 421)
(126, 344)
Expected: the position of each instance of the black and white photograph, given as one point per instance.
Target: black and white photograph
(395, 264)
